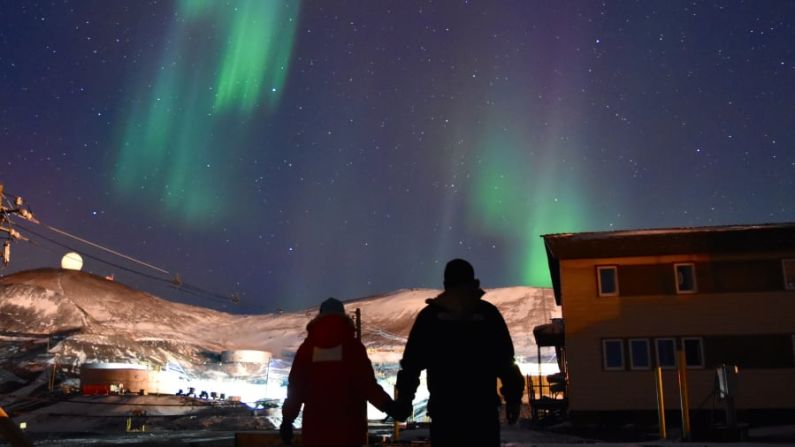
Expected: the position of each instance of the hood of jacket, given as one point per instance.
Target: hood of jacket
(459, 302)
(328, 330)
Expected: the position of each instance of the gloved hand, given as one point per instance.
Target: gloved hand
(389, 409)
(286, 432)
(512, 411)
(399, 410)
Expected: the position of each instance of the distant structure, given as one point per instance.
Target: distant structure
(120, 378)
(107, 378)
(247, 364)
(72, 261)
(633, 300)
(246, 356)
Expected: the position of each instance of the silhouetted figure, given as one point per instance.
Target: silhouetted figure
(464, 344)
(333, 379)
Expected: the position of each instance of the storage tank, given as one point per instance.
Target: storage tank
(246, 356)
(247, 364)
(104, 378)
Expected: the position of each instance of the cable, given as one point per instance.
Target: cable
(114, 252)
(184, 287)
(87, 242)
(53, 241)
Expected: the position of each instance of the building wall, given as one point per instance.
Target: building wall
(96, 379)
(713, 313)
(132, 379)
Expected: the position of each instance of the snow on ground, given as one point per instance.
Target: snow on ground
(104, 321)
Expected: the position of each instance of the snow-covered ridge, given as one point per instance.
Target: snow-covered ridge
(94, 319)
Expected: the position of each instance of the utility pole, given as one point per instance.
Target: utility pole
(8, 430)
(7, 231)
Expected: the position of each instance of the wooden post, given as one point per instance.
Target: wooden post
(396, 424)
(684, 400)
(660, 403)
(52, 376)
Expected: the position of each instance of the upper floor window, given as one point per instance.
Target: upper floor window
(685, 278)
(666, 352)
(694, 351)
(639, 355)
(607, 277)
(613, 354)
(789, 273)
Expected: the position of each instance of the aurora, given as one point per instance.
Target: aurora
(220, 63)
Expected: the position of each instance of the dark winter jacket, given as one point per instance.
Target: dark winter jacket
(464, 344)
(333, 379)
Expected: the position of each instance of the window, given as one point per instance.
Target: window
(694, 352)
(639, 357)
(789, 273)
(685, 278)
(666, 352)
(607, 277)
(613, 354)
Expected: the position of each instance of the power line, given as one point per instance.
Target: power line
(176, 284)
(113, 252)
(23, 210)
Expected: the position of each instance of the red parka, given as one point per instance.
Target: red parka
(333, 378)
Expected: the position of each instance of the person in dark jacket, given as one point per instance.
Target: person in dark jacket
(464, 344)
(333, 379)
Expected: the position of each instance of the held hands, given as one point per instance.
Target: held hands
(399, 410)
(286, 432)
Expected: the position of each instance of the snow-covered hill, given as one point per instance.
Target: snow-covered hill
(85, 318)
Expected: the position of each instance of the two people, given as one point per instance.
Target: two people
(462, 342)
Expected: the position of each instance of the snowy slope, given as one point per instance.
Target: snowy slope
(88, 318)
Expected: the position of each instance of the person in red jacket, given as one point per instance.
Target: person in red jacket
(333, 379)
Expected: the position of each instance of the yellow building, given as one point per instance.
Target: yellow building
(631, 299)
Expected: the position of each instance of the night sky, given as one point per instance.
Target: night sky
(287, 152)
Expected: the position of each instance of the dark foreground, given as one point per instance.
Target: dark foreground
(514, 436)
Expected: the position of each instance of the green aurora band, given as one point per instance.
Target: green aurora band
(220, 65)
(521, 192)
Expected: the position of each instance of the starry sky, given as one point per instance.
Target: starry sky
(283, 151)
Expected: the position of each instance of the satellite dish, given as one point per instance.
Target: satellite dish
(71, 261)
